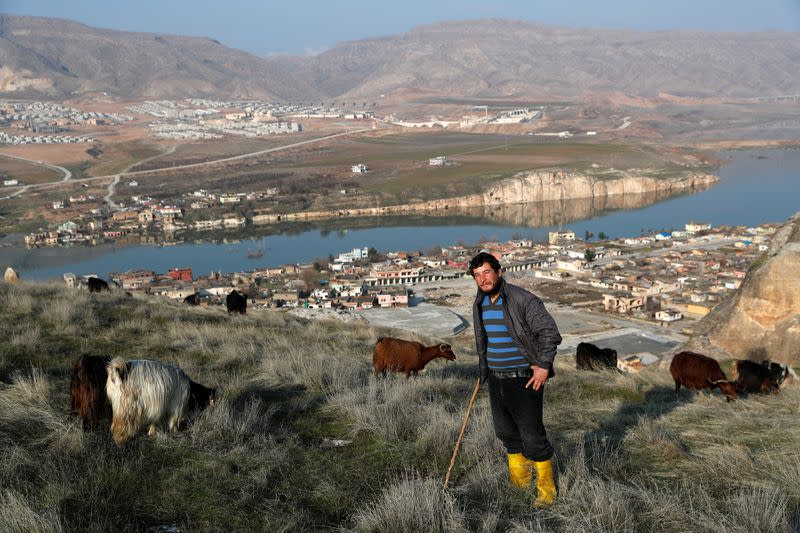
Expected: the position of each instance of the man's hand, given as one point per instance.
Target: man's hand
(540, 375)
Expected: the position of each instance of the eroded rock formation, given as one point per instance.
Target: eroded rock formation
(568, 196)
(762, 320)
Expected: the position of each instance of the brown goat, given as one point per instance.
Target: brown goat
(408, 357)
(696, 371)
(87, 390)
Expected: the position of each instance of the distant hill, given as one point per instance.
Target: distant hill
(61, 58)
(501, 57)
(486, 58)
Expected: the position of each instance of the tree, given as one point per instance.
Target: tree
(433, 251)
(602, 236)
(311, 278)
(589, 235)
(590, 255)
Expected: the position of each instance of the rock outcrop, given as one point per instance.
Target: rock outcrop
(549, 186)
(555, 189)
(10, 275)
(762, 320)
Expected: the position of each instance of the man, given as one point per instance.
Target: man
(516, 339)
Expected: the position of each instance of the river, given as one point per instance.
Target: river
(757, 186)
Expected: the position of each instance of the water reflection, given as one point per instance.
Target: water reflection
(752, 191)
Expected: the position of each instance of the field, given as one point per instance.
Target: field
(26, 173)
(398, 164)
(198, 152)
(303, 437)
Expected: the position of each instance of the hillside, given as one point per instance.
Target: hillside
(486, 58)
(303, 437)
(762, 320)
(55, 57)
(513, 58)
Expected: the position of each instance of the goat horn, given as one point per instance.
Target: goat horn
(443, 347)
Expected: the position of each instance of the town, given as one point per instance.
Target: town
(661, 278)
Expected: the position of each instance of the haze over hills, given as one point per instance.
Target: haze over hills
(488, 58)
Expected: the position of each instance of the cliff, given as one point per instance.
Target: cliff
(567, 196)
(762, 320)
(549, 186)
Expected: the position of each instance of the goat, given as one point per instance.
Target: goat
(696, 371)
(87, 390)
(144, 394)
(404, 356)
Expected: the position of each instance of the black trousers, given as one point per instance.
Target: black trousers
(517, 417)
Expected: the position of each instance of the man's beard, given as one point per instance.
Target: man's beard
(494, 290)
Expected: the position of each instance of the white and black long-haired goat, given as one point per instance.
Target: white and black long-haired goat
(145, 394)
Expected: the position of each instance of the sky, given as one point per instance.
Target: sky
(312, 26)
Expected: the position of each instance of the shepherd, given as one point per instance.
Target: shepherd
(516, 340)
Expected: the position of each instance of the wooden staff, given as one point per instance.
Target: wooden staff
(461, 435)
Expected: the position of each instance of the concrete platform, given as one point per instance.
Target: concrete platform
(428, 319)
(625, 341)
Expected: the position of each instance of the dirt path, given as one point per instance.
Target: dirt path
(112, 186)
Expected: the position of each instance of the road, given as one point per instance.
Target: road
(112, 186)
(67, 174)
(119, 176)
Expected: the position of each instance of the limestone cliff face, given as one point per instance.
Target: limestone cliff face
(762, 320)
(558, 189)
(559, 185)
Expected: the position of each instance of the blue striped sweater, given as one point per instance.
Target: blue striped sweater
(502, 353)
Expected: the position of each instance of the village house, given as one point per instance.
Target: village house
(229, 199)
(696, 227)
(622, 302)
(233, 221)
(134, 279)
(556, 237)
(365, 301)
(393, 298)
(349, 289)
(145, 216)
(181, 274)
(68, 227)
(668, 315)
(172, 292)
(205, 225)
(125, 216)
(385, 275)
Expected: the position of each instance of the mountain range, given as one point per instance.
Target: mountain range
(475, 58)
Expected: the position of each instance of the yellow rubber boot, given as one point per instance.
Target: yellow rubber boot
(519, 470)
(545, 486)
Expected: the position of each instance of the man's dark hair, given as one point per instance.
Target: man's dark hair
(481, 258)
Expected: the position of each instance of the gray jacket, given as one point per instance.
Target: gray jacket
(529, 323)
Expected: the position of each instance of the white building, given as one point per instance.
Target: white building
(438, 161)
(554, 237)
(360, 168)
(668, 315)
(694, 227)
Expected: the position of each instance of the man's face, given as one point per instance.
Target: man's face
(487, 279)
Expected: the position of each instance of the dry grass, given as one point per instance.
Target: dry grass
(629, 456)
